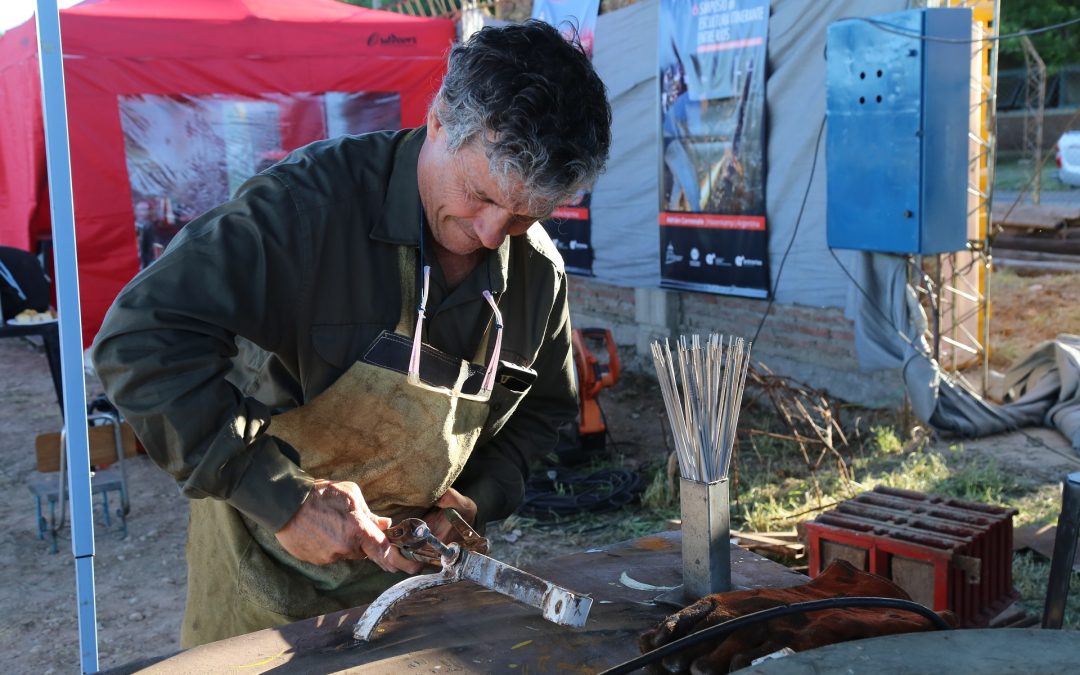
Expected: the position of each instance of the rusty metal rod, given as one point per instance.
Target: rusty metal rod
(1068, 530)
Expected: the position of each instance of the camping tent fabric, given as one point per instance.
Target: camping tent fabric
(115, 48)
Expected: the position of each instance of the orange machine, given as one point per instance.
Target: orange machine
(593, 376)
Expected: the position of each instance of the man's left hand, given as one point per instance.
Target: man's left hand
(437, 521)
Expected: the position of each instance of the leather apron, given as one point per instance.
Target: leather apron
(402, 444)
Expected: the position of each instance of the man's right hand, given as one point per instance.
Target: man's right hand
(334, 523)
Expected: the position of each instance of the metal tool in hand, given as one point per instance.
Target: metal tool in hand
(416, 541)
(467, 562)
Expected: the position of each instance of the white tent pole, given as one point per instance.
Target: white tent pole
(58, 155)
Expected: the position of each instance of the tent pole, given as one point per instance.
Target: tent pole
(58, 154)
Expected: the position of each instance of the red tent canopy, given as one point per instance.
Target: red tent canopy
(286, 52)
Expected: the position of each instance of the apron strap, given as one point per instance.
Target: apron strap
(409, 297)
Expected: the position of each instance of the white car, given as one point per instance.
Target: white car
(1068, 158)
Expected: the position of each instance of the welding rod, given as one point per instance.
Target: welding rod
(705, 415)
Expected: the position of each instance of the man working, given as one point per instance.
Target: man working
(374, 328)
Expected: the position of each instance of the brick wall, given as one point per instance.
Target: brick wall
(812, 345)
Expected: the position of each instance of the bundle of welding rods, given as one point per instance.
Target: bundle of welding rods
(704, 415)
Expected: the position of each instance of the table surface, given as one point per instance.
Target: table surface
(466, 629)
(15, 329)
(1011, 651)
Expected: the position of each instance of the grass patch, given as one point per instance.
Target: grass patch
(777, 490)
(1030, 574)
(1039, 506)
(776, 485)
(1012, 174)
(662, 493)
(886, 440)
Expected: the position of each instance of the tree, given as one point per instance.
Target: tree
(1057, 48)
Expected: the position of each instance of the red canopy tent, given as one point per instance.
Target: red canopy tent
(135, 69)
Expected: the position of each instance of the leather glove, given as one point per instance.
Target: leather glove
(798, 631)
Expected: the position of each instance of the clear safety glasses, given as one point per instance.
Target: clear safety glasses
(488, 382)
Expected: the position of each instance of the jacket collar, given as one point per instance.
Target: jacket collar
(399, 222)
(401, 217)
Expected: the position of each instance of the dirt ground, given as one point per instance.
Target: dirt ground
(1026, 309)
(140, 579)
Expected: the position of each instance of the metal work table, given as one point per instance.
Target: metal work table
(989, 651)
(464, 628)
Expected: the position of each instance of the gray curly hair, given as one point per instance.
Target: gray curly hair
(536, 105)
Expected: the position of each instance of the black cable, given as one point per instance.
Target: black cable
(607, 427)
(906, 32)
(794, 232)
(1038, 441)
(735, 624)
(555, 495)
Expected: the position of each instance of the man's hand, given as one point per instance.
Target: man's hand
(437, 522)
(334, 523)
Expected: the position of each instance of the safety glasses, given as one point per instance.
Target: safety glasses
(488, 382)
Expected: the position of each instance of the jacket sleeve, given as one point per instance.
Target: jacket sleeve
(494, 477)
(164, 350)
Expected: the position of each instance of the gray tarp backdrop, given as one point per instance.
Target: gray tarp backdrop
(625, 235)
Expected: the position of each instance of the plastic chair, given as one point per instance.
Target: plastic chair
(54, 490)
(1061, 564)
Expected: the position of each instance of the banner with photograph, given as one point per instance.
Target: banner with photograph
(186, 154)
(570, 226)
(573, 18)
(712, 185)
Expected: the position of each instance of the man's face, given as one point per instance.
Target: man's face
(465, 206)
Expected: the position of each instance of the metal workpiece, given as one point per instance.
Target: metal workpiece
(557, 604)
(706, 535)
(451, 572)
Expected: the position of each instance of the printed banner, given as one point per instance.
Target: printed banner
(187, 154)
(571, 17)
(712, 191)
(570, 227)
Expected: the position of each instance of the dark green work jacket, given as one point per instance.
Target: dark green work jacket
(262, 303)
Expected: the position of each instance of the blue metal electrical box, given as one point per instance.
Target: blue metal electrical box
(897, 94)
